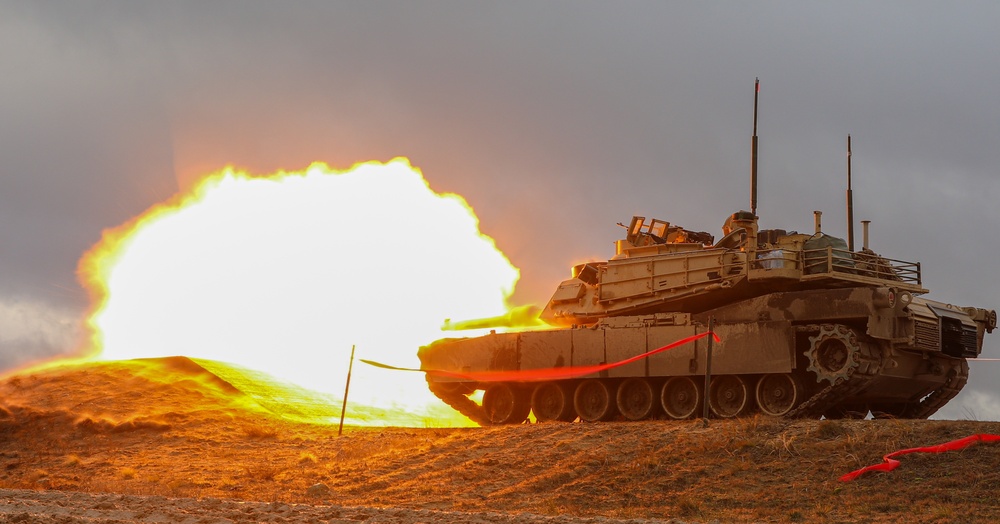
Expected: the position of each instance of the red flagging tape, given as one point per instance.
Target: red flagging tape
(536, 375)
(890, 463)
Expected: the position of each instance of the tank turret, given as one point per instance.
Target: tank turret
(659, 268)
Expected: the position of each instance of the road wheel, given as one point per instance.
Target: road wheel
(681, 398)
(727, 396)
(505, 404)
(778, 393)
(552, 401)
(592, 401)
(636, 400)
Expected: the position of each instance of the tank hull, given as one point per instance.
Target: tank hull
(812, 353)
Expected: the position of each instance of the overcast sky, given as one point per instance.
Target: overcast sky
(555, 120)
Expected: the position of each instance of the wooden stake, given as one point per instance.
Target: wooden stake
(347, 388)
(708, 369)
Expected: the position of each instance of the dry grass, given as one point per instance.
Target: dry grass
(260, 432)
(756, 469)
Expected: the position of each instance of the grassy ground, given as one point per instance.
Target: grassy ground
(110, 430)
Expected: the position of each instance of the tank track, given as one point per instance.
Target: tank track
(864, 367)
(959, 375)
(459, 402)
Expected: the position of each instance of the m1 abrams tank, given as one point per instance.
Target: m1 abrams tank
(808, 328)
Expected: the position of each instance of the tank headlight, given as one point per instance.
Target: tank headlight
(903, 299)
(889, 298)
(884, 297)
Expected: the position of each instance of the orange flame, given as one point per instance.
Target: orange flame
(285, 273)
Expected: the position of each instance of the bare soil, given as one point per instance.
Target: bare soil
(130, 442)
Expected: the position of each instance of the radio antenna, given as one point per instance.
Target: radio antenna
(753, 153)
(850, 200)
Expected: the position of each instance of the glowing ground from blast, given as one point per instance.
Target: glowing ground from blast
(285, 273)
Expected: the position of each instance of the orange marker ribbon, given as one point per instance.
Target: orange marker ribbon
(537, 375)
(890, 463)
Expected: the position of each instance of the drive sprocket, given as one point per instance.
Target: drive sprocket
(834, 353)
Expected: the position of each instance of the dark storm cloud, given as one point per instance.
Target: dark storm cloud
(555, 120)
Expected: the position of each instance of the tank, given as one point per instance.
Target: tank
(807, 328)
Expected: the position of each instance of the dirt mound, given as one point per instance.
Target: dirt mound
(148, 430)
